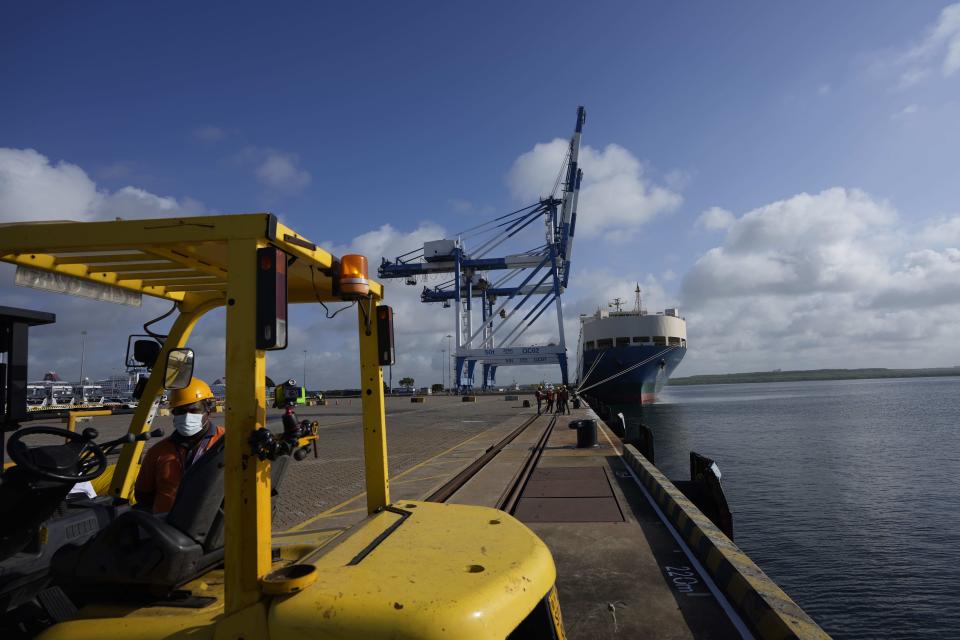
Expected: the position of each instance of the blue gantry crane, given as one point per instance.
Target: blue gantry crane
(510, 303)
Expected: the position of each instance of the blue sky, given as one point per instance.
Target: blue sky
(345, 118)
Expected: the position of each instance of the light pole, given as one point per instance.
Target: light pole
(447, 362)
(83, 341)
(443, 368)
(304, 369)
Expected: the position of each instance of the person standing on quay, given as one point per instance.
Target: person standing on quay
(561, 399)
(550, 396)
(538, 394)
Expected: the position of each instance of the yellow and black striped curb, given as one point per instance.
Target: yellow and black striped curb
(769, 611)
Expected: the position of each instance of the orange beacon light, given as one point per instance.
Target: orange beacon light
(353, 275)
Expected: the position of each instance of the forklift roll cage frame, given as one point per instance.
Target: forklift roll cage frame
(202, 263)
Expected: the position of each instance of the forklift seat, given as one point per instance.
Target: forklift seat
(160, 552)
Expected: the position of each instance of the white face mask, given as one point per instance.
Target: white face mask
(188, 424)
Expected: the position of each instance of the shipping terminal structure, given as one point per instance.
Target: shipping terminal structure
(512, 291)
(627, 356)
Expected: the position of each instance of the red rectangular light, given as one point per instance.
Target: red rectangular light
(385, 345)
(271, 299)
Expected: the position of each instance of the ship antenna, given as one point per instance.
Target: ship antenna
(637, 302)
(616, 303)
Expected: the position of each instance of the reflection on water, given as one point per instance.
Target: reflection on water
(845, 492)
(668, 397)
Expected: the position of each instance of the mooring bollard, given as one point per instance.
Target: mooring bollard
(586, 433)
(526, 404)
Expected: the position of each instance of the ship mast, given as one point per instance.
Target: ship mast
(636, 293)
(616, 303)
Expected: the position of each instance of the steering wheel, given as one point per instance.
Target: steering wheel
(84, 460)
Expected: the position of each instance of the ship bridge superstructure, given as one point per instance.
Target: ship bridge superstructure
(605, 329)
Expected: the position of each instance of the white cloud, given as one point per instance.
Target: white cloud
(209, 133)
(940, 232)
(828, 279)
(906, 112)
(594, 288)
(616, 197)
(460, 205)
(938, 51)
(133, 202)
(824, 89)
(280, 172)
(912, 77)
(33, 188)
(801, 244)
(715, 218)
(677, 179)
(387, 241)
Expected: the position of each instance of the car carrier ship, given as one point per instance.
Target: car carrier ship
(627, 356)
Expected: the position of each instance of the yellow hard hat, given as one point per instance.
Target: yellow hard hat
(196, 391)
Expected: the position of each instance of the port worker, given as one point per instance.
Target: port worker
(550, 396)
(562, 399)
(538, 394)
(167, 461)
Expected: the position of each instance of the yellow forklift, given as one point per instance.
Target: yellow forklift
(213, 567)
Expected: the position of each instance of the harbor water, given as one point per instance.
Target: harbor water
(846, 493)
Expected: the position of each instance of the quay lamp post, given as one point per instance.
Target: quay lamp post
(83, 341)
(305, 369)
(447, 362)
(443, 368)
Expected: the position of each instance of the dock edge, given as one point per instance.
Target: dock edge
(770, 612)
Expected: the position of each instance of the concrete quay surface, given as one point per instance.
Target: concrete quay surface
(622, 569)
(621, 573)
(415, 432)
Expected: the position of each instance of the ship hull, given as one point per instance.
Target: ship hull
(638, 386)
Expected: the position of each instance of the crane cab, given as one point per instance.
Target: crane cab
(409, 570)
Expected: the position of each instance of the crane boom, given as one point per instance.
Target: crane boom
(541, 274)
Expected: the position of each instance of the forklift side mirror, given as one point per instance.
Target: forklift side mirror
(145, 353)
(179, 370)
